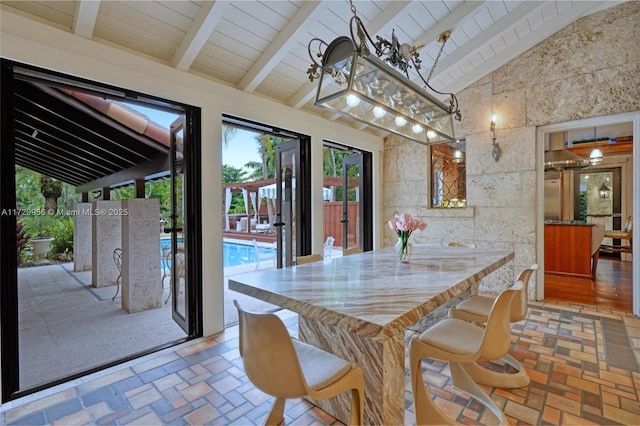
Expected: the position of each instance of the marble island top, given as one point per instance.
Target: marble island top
(372, 294)
(567, 222)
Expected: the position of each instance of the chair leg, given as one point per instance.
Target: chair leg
(357, 408)
(464, 382)
(594, 266)
(276, 415)
(117, 288)
(427, 412)
(170, 288)
(487, 377)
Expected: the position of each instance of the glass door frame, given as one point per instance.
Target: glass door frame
(365, 181)
(357, 160)
(302, 203)
(9, 357)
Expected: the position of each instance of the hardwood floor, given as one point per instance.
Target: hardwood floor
(612, 287)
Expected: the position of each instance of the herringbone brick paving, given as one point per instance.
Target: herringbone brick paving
(566, 349)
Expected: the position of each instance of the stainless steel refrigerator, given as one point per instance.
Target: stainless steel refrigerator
(552, 196)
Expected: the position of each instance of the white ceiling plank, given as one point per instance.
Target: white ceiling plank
(203, 25)
(390, 13)
(259, 45)
(304, 95)
(84, 20)
(280, 46)
(450, 22)
(549, 11)
(482, 39)
(578, 10)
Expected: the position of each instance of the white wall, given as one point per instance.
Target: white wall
(33, 43)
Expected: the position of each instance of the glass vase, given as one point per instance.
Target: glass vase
(403, 250)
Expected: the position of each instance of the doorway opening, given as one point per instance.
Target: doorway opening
(612, 284)
(267, 201)
(347, 198)
(93, 168)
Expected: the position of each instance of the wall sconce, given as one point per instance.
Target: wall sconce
(458, 155)
(604, 191)
(495, 152)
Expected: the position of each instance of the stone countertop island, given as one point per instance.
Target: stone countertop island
(569, 248)
(359, 306)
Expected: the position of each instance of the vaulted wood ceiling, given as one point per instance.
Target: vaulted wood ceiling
(261, 46)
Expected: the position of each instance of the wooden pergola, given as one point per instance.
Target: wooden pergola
(254, 186)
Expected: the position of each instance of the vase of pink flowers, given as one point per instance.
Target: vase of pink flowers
(404, 225)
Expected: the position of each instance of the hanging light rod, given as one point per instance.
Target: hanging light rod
(377, 89)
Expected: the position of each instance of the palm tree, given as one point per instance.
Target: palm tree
(228, 133)
(51, 189)
(329, 160)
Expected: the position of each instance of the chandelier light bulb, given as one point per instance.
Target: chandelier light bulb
(431, 134)
(379, 112)
(353, 100)
(396, 93)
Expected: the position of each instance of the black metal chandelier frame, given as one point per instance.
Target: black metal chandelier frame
(385, 85)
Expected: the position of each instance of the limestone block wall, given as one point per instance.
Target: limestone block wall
(590, 68)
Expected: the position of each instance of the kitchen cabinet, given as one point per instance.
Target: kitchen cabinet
(568, 249)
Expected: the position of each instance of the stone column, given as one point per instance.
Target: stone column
(82, 237)
(141, 285)
(106, 230)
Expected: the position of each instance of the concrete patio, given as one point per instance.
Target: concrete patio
(66, 326)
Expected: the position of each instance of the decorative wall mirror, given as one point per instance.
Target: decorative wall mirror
(448, 175)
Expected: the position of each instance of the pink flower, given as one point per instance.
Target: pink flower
(404, 225)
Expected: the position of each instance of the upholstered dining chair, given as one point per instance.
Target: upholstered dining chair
(287, 368)
(476, 309)
(315, 257)
(461, 343)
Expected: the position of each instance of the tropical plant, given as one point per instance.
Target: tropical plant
(232, 174)
(51, 190)
(62, 232)
(21, 240)
(228, 133)
(38, 223)
(266, 168)
(28, 196)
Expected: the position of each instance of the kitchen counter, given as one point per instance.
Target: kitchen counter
(567, 222)
(568, 248)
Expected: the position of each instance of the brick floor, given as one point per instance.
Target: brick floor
(571, 352)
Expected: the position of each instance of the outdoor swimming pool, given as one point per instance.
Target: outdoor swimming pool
(233, 254)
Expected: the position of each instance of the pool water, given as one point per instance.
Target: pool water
(233, 254)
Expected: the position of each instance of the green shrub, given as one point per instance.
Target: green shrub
(38, 224)
(62, 232)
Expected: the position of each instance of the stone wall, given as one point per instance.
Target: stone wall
(590, 68)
